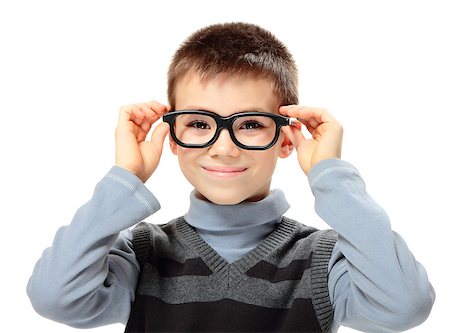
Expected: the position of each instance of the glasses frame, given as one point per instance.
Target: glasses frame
(227, 122)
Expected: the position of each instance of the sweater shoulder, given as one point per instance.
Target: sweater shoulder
(308, 236)
(156, 231)
(148, 236)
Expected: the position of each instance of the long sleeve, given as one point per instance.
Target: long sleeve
(375, 283)
(88, 276)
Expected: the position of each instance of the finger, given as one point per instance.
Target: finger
(133, 119)
(294, 134)
(316, 116)
(154, 110)
(157, 107)
(294, 111)
(313, 118)
(138, 115)
(131, 113)
(144, 129)
(310, 128)
(159, 134)
(150, 115)
(142, 116)
(313, 115)
(139, 118)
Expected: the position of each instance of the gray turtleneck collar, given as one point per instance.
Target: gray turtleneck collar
(234, 230)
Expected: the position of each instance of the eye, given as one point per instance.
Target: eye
(251, 125)
(199, 125)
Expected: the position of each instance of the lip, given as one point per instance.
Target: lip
(224, 171)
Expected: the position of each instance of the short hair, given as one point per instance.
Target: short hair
(235, 49)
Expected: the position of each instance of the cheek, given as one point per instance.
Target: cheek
(183, 155)
(187, 157)
(266, 161)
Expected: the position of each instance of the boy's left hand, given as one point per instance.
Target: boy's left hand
(326, 131)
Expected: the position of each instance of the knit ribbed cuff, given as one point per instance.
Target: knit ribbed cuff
(141, 242)
(323, 249)
(326, 167)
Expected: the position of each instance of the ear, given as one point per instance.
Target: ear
(287, 147)
(173, 145)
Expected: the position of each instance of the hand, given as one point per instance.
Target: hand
(326, 131)
(133, 153)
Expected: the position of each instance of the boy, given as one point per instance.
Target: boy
(233, 262)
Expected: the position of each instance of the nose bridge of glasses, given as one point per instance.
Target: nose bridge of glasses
(220, 133)
(225, 139)
(224, 123)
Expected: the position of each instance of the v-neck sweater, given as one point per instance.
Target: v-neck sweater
(280, 285)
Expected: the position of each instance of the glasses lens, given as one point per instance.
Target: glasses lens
(194, 129)
(258, 131)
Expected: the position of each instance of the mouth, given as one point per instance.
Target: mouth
(225, 172)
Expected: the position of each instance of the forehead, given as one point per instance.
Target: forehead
(226, 95)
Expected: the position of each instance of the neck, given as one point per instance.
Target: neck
(234, 230)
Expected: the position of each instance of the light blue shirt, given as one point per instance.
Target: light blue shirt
(89, 275)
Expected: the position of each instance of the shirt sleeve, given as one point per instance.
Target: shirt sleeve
(375, 283)
(88, 276)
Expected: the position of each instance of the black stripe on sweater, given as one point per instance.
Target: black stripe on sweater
(171, 268)
(267, 271)
(150, 314)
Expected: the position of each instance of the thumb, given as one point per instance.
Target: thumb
(159, 134)
(294, 134)
(152, 150)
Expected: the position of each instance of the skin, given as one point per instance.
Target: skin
(224, 173)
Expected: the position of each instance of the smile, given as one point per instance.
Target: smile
(224, 172)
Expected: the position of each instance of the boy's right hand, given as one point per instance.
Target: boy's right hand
(133, 153)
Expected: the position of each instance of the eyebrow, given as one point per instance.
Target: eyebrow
(199, 108)
(195, 107)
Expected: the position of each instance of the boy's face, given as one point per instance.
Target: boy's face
(223, 173)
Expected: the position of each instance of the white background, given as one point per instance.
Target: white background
(381, 68)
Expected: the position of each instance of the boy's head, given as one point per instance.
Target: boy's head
(233, 50)
(227, 69)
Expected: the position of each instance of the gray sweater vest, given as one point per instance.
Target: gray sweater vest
(185, 286)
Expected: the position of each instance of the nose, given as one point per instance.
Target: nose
(224, 146)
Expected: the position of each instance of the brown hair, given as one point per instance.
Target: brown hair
(236, 49)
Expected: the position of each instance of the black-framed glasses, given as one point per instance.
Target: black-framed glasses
(248, 130)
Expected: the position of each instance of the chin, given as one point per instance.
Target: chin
(230, 198)
(223, 200)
